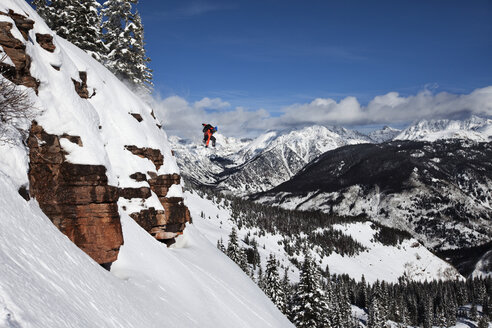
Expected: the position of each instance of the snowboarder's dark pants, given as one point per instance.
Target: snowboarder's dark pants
(207, 138)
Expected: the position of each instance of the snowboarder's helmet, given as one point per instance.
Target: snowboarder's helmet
(215, 129)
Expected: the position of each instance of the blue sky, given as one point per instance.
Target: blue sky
(250, 66)
(270, 54)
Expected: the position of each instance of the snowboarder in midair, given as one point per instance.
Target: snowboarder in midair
(208, 130)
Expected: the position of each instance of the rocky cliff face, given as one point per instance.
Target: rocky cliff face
(84, 179)
(76, 198)
(164, 224)
(18, 71)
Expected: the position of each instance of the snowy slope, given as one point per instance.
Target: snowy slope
(483, 268)
(45, 280)
(475, 128)
(409, 259)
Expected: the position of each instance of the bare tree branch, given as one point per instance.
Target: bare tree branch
(16, 106)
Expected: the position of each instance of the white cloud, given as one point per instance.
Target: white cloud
(214, 103)
(184, 119)
(181, 118)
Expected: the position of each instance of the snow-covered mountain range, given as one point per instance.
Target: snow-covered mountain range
(474, 128)
(440, 192)
(257, 166)
(240, 166)
(385, 134)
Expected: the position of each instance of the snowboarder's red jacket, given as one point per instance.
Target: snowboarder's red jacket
(208, 130)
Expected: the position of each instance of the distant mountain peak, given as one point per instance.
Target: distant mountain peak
(474, 128)
(387, 133)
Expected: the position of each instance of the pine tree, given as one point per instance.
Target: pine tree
(123, 38)
(243, 263)
(220, 245)
(61, 16)
(78, 21)
(86, 33)
(42, 9)
(260, 280)
(256, 256)
(483, 322)
(272, 285)
(287, 289)
(310, 308)
(117, 14)
(428, 312)
(451, 309)
(142, 75)
(404, 319)
(487, 307)
(440, 317)
(376, 312)
(473, 311)
(345, 308)
(362, 295)
(233, 249)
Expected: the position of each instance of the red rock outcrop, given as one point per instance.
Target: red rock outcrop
(137, 116)
(167, 224)
(81, 87)
(23, 23)
(45, 41)
(129, 193)
(176, 214)
(19, 73)
(76, 197)
(154, 155)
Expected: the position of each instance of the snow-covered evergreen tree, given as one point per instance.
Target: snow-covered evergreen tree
(260, 280)
(450, 309)
(345, 310)
(487, 307)
(428, 312)
(233, 248)
(86, 33)
(473, 311)
(220, 245)
(310, 307)
(272, 284)
(440, 317)
(42, 9)
(377, 317)
(362, 295)
(60, 17)
(483, 322)
(236, 253)
(78, 21)
(142, 75)
(243, 263)
(287, 289)
(123, 38)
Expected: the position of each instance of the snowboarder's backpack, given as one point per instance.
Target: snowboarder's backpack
(207, 127)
